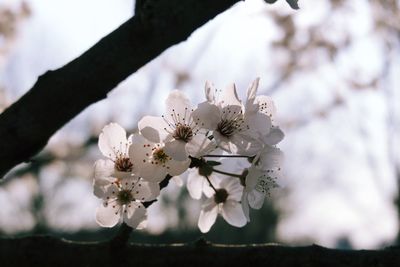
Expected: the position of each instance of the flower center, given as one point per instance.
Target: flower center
(160, 156)
(183, 133)
(227, 127)
(266, 182)
(220, 196)
(124, 197)
(123, 164)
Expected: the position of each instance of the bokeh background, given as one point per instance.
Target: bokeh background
(332, 68)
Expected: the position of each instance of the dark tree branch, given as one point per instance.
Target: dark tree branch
(58, 96)
(48, 251)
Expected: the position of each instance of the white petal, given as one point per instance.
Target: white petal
(230, 97)
(134, 214)
(139, 148)
(234, 188)
(199, 146)
(256, 199)
(176, 167)
(222, 142)
(100, 185)
(207, 115)
(152, 172)
(208, 215)
(210, 91)
(177, 150)
(112, 140)
(244, 145)
(245, 206)
(145, 191)
(178, 105)
(103, 168)
(215, 180)
(142, 224)
(252, 178)
(270, 157)
(108, 215)
(259, 124)
(267, 106)
(153, 128)
(252, 90)
(233, 213)
(141, 152)
(177, 180)
(195, 184)
(274, 136)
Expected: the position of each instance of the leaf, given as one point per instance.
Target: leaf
(213, 163)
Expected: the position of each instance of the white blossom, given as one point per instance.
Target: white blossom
(226, 201)
(177, 129)
(124, 199)
(264, 105)
(152, 160)
(197, 184)
(261, 178)
(235, 129)
(114, 145)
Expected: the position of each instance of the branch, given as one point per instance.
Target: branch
(60, 95)
(48, 251)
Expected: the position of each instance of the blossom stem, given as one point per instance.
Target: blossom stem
(225, 156)
(209, 182)
(228, 173)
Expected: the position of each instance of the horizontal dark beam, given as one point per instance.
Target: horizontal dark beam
(48, 251)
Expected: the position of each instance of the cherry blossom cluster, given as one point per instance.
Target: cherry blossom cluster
(228, 147)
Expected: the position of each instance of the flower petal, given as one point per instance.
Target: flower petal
(230, 97)
(234, 188)
(210, 91)
(145, 191)
(245, 205)
(233, 213)
(177, 150)
(153, 128)
(178, 105)
(252, 178)
(207, 115)
(108, 215)
(195, 184)
(134, 214)
(176, 167)
(112, 140)
(199, 146)
(274, 136)
(256, 199)
(153, 172)
(177, 180)
(270, 157)
(267, 106)
(259, 124)
(208, 215)
(252, 90)
(103, 168)
(139, 148)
